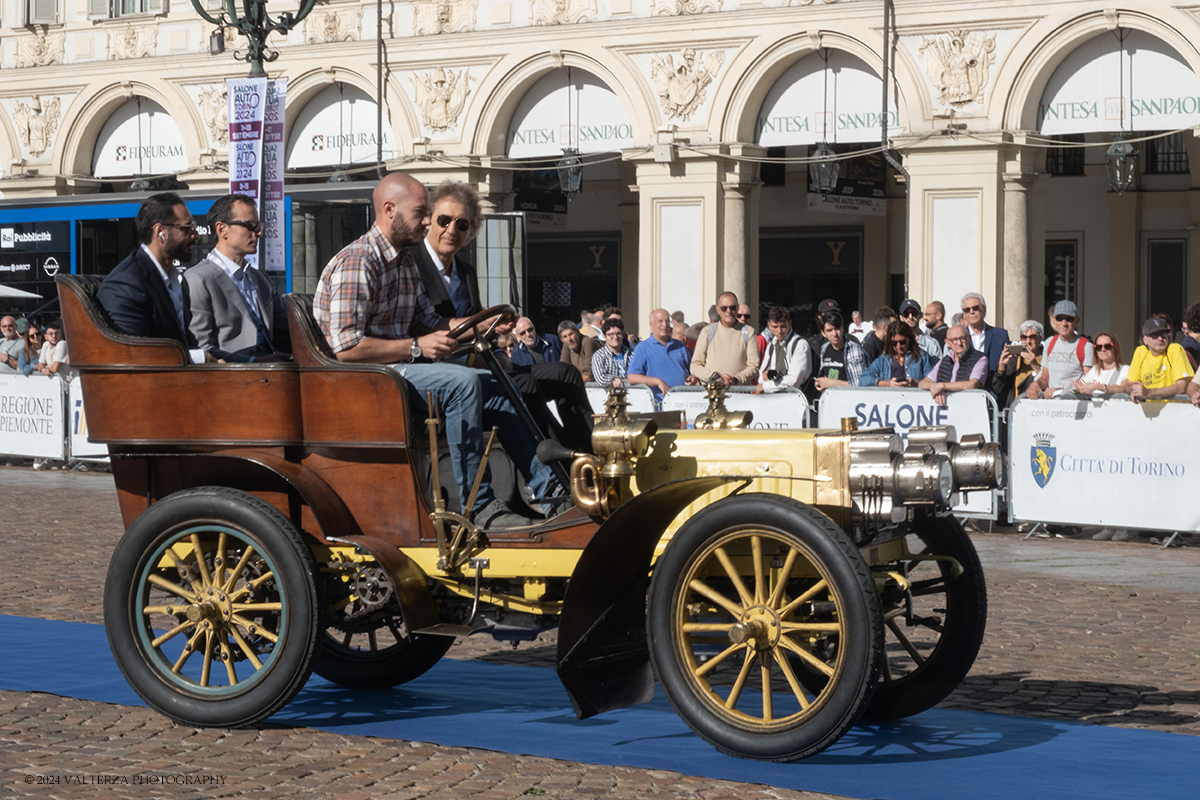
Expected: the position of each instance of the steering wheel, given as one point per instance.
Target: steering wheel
(472, 323)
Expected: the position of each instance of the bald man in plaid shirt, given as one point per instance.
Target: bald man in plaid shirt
(372, 307)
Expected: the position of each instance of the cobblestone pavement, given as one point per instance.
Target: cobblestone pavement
(1100, 632)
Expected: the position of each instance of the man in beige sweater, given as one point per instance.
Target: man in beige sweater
(727, 347)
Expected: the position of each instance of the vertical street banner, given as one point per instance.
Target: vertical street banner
(271, 207)
(247, 105)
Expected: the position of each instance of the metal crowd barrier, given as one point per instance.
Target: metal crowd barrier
(1104, 460)
(44, 417)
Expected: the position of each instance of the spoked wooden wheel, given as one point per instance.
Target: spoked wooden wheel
(935, 627)
(211, 608)
(367, 641)
(764, 628)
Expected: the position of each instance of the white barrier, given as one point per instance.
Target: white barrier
(1104, 461)
(972, 411)
(786, 409)
(80, 448)
(640, 398)
(31, 416)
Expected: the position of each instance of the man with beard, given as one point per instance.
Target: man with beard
(143, 295)
(372, 307)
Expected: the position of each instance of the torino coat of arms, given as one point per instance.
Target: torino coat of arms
(680, 88)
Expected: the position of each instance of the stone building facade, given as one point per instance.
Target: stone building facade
(696, 121)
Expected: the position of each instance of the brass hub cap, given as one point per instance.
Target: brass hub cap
(759, 626)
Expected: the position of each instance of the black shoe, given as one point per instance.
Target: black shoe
(497, 514)
(557, 505)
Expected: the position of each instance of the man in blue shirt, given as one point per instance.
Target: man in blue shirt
(660, 361)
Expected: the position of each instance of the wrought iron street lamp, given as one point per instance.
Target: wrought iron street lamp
(570, 172)
(824, 171)
(1121, 159)
(256, 25)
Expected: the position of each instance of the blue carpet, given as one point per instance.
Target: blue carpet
(935, 755)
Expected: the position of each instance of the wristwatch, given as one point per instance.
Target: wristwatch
(415, 352)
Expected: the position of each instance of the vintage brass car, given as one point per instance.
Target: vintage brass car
(290, 518)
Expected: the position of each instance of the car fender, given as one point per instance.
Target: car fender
(603, 660)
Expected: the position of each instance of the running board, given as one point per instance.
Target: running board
(457, 631)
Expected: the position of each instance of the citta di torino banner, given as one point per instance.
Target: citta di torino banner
(1104, 461)
(902, 409)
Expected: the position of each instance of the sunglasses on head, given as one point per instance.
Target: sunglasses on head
(972, 309)
(461, 225)
(252, 225)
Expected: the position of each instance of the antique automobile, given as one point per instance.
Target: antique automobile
(290, 518)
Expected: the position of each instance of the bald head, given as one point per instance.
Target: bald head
(958, 340)
(661, 325)
(525, 331)
(401, 208)
(8, 326)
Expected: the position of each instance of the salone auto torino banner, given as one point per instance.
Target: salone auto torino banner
(1105, 461)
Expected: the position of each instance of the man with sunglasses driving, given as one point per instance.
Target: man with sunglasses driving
(234, 307)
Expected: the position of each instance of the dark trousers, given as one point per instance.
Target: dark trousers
(560, 382)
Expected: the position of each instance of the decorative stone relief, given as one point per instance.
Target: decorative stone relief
(563, 12)
(680, 87)
(675, 8)
(333, 26)
(131, 42)
(440, 96)
(811, 2)
(214, 109)
(444, 16)
(958, 63)
(35, 124)
(41, 49)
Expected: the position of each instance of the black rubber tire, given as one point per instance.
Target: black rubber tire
(857, 650)
(408, 657)
(286, 664)
(963, 622)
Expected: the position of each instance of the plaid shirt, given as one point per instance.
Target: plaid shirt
(855, 360)
(607, 365)
(370, 289)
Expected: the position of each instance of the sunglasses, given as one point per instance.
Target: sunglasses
(743, 316)
(1105, 347)
(1064, 318)
(972, 309)
(189, 228)
(461, 225)
(1159, 335)
(956, 338)
(1032, 337)
(898, 342)
(727, 308)
(252, 225)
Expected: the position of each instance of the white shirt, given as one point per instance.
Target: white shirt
(977, 338)
(449, 274)
(235, 271)
(174, 286)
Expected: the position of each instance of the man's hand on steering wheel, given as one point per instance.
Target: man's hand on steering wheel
(437, 345)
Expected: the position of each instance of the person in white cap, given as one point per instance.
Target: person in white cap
(1067, 357)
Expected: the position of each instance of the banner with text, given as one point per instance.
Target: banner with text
(787, 409)
(80, 447)
(902, 409)
(247, 108)
(31, 416)
(640, 398)
(1104, 461)
(274, 247)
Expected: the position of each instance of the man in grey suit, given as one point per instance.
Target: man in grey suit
(234, 307)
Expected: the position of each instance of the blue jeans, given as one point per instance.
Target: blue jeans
(465, 397)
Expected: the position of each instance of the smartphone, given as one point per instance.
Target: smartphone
(1015, 348)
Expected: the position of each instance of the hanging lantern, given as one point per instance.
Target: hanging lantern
(1121, 159)
(823, 172)
(570, 172)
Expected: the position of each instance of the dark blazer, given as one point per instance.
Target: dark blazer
(431, 276)
(218, 318)
(994, 342)
(136, 300)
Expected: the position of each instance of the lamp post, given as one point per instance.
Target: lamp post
(256, 25)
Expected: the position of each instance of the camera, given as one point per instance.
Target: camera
(774, 375)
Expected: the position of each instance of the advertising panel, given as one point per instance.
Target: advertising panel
(80, 447)
(1104, 461)
(33, 253)
(31, 416)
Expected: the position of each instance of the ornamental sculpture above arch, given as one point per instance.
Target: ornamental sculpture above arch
(432, 17)
(41, 49)
(675, 8)
(333, 26)
(958, 64)
(440, 97)
(36, 123)
(563, 12)
(681, 87)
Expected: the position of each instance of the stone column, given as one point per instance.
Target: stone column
(734, 267)
(1016, 252)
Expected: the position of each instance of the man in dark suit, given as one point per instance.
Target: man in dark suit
(143, 295)
(985, 338)
(453, 288)
(234, 306)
